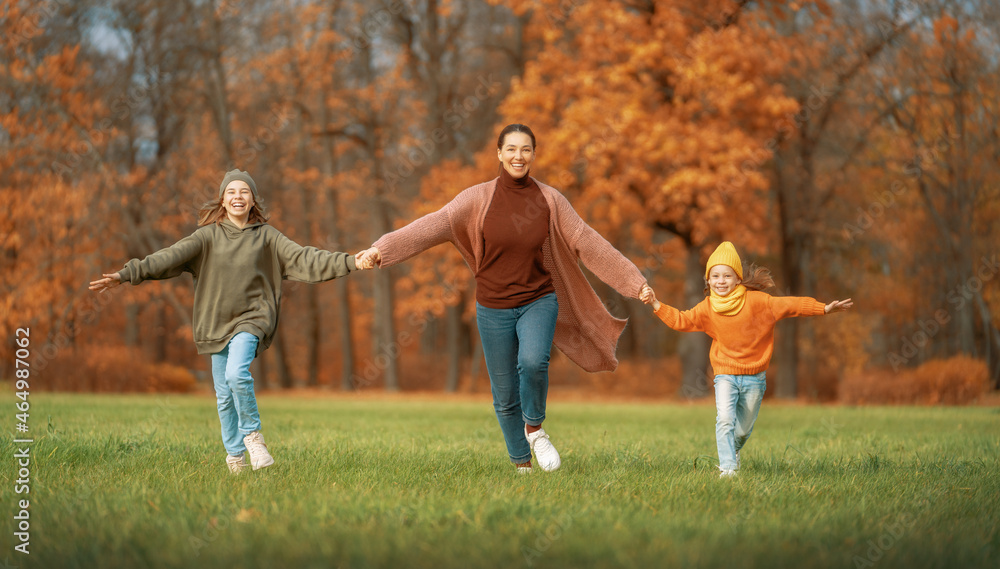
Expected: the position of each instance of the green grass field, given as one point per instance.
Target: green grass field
(140, 481)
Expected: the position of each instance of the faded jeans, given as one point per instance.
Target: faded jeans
(517, 343)
(234, 391)
(737, 401)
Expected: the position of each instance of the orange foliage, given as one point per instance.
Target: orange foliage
(47, 150)
(959, 380)
(652, 113)
(116, 369)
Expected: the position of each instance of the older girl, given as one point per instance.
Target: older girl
(238, 263)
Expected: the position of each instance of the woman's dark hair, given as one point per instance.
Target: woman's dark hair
(757, 278)
(515, 128)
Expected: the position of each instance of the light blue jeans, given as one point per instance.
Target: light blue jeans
(737, 401)
(234, 391)
(517, 343)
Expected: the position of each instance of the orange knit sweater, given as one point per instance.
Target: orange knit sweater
(742, 344)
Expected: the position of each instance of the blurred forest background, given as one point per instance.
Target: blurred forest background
(851, 147)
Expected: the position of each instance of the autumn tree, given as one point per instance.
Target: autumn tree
(51, 139)
(942, 154)
(834, 56)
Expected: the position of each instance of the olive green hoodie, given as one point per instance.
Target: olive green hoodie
(237, 277)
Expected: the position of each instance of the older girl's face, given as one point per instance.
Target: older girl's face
(237, 198)
(722, 279)
(516, 154)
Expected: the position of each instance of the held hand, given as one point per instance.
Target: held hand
(360, 261)
(108, 282)
(839, 306)
(649, 297)
(368, 259)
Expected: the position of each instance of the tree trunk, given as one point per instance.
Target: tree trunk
(693, 347)
(281, 363)
(787, 331)
(476, 363)
(454, 339)
(132, 324)
(312, 336)
(386, 347)
(335, 241)
(160, 332)
(258, 370)
(313, 318)
(346, 340)
(786, 344)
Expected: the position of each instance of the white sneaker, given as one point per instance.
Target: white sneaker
(236, 464)
(737, 460)
(727, 473)
(547, 455)
(259, 457)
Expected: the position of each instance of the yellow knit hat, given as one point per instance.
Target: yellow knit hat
(725, 254)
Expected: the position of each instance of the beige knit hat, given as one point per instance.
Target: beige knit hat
(243, 177)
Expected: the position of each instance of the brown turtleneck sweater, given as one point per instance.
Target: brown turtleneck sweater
(516, 226)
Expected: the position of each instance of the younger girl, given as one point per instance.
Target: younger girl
(740, 318)
(238, 263)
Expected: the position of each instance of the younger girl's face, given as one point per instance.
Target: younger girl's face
(516, 154)
(722, 279)
(237, 199)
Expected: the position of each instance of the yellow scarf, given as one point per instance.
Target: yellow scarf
(730, 304)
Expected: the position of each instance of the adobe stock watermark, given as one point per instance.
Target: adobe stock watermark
(33, 21)
(419, 154)
(818, 96)
(958, 297)
(561, 13)
(86, 313)
(877, 548)
(609, 137)
(373, 23)
(278, 118)
(88, 146)
(376, 365)
(738, 519)
(922, 161)
(543, 539)
(217, 525)
(784, 127)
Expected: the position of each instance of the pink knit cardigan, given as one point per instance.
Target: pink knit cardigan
(585, 331)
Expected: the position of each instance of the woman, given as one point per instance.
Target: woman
(523, 241)
(238, 263)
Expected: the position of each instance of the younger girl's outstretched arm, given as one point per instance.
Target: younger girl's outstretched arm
(838, 306)
(686, 321)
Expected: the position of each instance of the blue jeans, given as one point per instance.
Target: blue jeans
(737, 401)
(517, 343)
(234, 391)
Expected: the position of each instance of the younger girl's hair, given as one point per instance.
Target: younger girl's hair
(756, 278)
(214, 212)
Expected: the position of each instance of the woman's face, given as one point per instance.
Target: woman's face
(237, 198)
(516, 154)
(722, 279)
